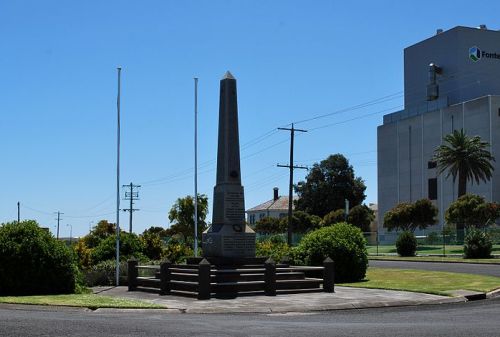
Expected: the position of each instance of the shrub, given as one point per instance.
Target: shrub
(406, 244)
(176, 251)
(274, 247)
(153, 245)
(343, 243)
(334, 217)
(130, 246)
(269, 225)
(103, 273)
(477, 244)
(33, 262)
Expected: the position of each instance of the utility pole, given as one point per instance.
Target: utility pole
(195, 167)
(18, 212)
(131, 195)
(117, 276)
(290, 186)
(58, 220)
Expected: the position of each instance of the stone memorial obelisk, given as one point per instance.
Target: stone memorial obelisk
(228, 236)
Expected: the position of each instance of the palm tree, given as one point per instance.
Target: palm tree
(465, 157)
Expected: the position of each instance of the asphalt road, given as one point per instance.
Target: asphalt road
(478, 318)
(468, 268)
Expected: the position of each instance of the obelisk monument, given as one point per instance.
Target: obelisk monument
(228, 236)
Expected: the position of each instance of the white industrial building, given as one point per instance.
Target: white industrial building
(452, 82)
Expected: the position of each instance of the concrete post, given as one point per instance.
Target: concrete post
(204, 280)
(132, 274)
(270, 277)
(329, 275)
(165, 277)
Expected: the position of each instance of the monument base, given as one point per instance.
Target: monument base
(229, 241)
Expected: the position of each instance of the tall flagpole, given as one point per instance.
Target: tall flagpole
(195, 166)
(118, 182)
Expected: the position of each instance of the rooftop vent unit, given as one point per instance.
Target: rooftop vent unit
(483, 27)
(439, 31)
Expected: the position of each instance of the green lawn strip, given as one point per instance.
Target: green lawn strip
(422, 281)
(81, 300)
(434, 259)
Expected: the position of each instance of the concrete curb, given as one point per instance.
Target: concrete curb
(332, 307)
(252, 310)
(493, 294)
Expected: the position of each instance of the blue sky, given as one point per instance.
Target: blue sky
(294, 61)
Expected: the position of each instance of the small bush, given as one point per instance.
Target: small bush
(274, 247)
(103, 273)
(177, 252)
(477, 245)
(406, 244)
(343, 243)
(33, 262)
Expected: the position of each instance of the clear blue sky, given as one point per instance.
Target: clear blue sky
(294, 60)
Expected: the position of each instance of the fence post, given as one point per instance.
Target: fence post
(204, 280)
(328, 275)
(132, 274)
(165, 277)
(270, 277)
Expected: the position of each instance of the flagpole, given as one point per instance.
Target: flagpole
(118, 181)
(195, 166)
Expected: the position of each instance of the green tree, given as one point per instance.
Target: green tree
(408, 217)
(464, 157)
(327, 186)
(269, 225)
(472, 210)
(302, 222)
(181, 216)
(334, 217)
(101, 231)
(361, 216)
(130, 246)
(160, 231)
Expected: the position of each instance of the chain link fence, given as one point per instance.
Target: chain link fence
(447, 242)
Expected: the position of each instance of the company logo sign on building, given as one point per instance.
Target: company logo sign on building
(475, 54)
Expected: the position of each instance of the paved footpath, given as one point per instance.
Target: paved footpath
(343, 298)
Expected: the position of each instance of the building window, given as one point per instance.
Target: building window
(431, 164)
(252, 219)
(262, 215)
(282, 215)
(433, 188)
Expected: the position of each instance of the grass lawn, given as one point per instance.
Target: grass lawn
(90, 301)
(431, 282)
(435, 259)
(426, 249)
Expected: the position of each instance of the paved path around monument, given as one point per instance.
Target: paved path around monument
(467, 268)
(343, 298)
